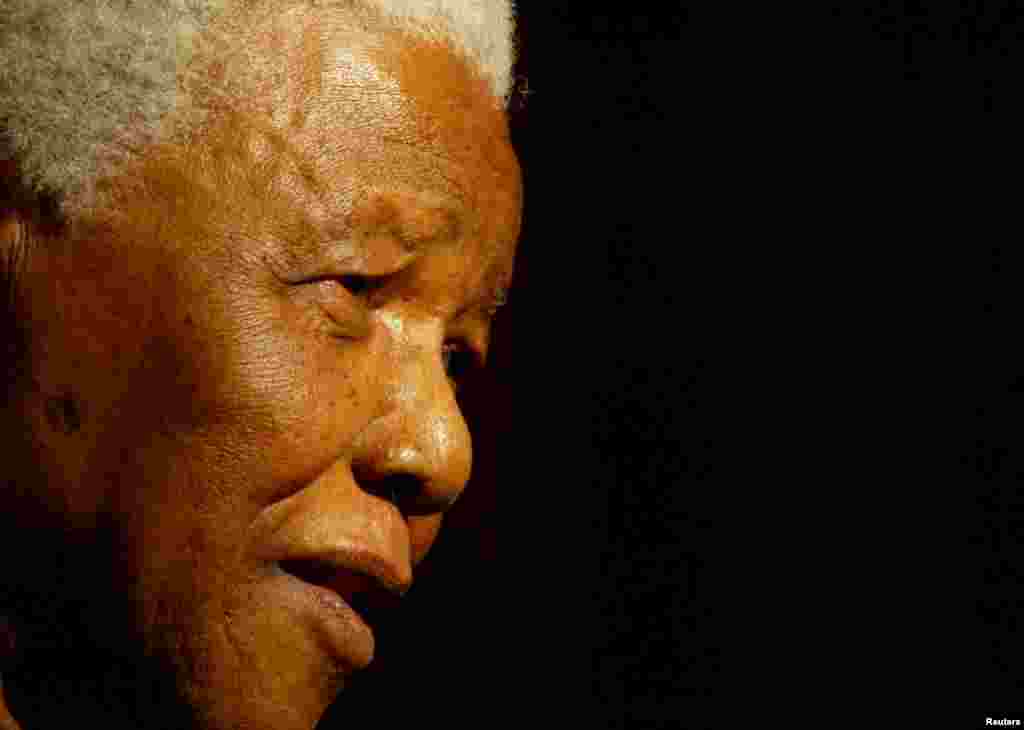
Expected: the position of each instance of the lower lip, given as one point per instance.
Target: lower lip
(347, 637)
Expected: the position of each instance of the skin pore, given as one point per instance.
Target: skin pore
(244, 360)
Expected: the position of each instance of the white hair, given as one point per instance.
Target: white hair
(84, 83)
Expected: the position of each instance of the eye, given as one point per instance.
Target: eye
(344, 302)
(358, 285)
(458, 361)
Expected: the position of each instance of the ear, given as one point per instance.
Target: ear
(12, 218)
(14, 238)
(13, 242)
(12, 230)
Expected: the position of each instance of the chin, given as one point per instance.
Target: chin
(116, 693)
(258, 666)
(241, 662)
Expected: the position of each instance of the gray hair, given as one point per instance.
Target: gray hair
(85, 83)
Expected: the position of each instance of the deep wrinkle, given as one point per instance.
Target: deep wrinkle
(419, 222)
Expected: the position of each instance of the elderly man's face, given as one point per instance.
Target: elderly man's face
(239, 381)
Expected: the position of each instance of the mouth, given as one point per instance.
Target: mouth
(351, 594)
(368, 594)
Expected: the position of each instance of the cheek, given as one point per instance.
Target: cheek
(249, 379)
(255, 411)
(82, 319)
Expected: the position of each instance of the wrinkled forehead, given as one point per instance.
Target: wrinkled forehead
(358, 112)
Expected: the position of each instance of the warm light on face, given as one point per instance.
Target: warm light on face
(261, 356)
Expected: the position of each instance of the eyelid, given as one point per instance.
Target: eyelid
(369, 259)
(356, 280)
(347, 313)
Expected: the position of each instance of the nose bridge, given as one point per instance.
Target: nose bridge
(421, 441)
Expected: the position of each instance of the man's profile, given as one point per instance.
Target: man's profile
(248, 250)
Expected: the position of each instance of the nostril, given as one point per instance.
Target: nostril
(346, 583)
(402, 490)
(311, 571)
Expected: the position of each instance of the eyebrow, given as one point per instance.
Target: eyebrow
(403, 220)
(456, 216)
(448, 230)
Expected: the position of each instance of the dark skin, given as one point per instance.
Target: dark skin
(243, 363)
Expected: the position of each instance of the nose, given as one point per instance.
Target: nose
(419, 453)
